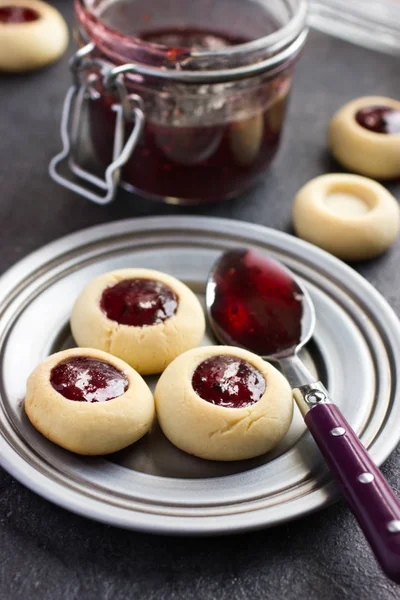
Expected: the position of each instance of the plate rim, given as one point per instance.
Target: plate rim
(12, 462)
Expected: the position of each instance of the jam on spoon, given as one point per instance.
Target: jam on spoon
(17, 14)
(228, 381)
(380, 119)
(255, 303)
(139, 302)
(86, 379)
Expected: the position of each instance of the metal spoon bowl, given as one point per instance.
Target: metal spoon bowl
(294, 369)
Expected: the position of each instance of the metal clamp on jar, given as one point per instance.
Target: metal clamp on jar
(181, 101)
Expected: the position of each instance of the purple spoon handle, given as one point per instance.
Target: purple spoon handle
(372, 500)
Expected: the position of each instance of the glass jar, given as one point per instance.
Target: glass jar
(183, 100)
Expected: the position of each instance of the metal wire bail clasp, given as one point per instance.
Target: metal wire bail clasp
(130, 109)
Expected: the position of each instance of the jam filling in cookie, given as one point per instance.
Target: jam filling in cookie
(139, 302)
(86, 379)
(228, 381)
(17, 14)
(380, 119)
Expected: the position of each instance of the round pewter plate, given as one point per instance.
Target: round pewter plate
(152, 486)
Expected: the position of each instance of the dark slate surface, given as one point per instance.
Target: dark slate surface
(47, 553)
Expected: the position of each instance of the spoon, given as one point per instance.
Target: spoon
(256, 303)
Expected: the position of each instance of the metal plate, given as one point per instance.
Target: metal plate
(152, 486)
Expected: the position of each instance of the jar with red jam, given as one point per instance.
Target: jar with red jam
(182, 100)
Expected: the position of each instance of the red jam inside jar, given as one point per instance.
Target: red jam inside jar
(380, 119)
(139, 302)
(85, 379)
(201, 142)
(17, 14)
(228, 381)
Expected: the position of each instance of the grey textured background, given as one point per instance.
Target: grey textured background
(49, 554)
